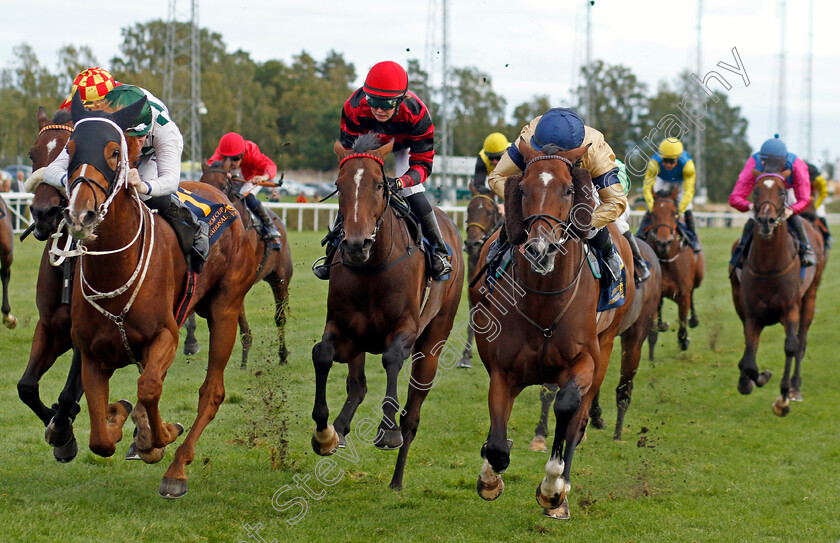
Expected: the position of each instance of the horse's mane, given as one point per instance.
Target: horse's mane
(367, 142)
(584, 201)
(62, 116)
(514, 223)
(218, 164)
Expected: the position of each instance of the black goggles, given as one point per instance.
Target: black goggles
(235, 158)
(669, 161)
(382, 103)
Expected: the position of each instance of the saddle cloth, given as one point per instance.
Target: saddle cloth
(216, 215)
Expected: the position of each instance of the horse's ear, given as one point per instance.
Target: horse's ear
(42, 117)
(127, 116)
(473, 190)
(77, 108)
(576, 154)
(340, 150)
(527, 151)
(674, 193)
(204, 166)
(383, 151)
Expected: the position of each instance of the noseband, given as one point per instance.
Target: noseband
(778, 209)
(381, 163)
(531, 219)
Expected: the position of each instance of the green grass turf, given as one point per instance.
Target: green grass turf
(713, 465)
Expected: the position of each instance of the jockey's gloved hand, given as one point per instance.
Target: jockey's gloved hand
(257, 179)
(135, 181)
(395, 184)
(788, 212)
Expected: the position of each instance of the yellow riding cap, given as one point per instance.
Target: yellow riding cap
(671, 148)
(93, 84)
(495, 144)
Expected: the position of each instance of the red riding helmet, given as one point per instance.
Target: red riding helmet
(386, 80)
(232, 144)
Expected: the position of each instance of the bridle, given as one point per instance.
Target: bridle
(496, 222)
(386, 189)
(531, 219)
(778, 209)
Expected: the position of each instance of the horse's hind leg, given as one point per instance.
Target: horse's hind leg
(631, 353)
(190, 342)
(749, 369)
(245, 336)
(280, 289)
(5, 274)
(693, 321)
(661, 326)
(390, 436)
(683, 301)
(47, 346)
(222, 322)
(547, 393)
(781, 406)
(59, 431)
(356, 390)
(806, 316)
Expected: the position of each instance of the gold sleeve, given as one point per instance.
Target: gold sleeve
(650, 179)
(599, 158)
(689, 177)
(613, 204)
(506, 167)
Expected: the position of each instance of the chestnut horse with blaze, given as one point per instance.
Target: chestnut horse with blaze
(682, 268)
(553, 333)
(376, 304)
(772, 288)
(131, 275)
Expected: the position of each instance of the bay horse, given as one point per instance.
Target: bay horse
(131, 276)
(273, 266)
(553, 333)
(637, 325)
(52, 331)
(682, 268)
(772, 288)
(6, 257)
(376, 304)
(483, 219)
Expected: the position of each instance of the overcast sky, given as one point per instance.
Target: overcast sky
(528, 47)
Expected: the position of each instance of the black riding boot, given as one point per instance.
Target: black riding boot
(742, 242)
(826, 232)
(422, 209)
(644, 225)
(603, 243)
(689, 224)
(321, 267)
(642, 272)
(271, 230)
(192, 233)
(806, 252)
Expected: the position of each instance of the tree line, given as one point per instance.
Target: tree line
(292, 109)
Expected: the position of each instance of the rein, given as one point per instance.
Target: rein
(497, 223)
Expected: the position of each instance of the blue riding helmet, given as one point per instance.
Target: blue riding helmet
(774, 147)
(561, 126)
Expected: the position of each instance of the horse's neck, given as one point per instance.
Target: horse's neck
(390, 239)
(118, 229)
(770, 255)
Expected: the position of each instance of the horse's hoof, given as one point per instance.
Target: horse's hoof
(795, 396)
(391, 439)
(10, 321)
(128, 406)
(664, 326)
(538, 444)
(745, 385)
(464, 363)
(191, 348)
(172, 488)
(493, 487)
(58, 437)
(325, 442)
(152, 456)
(693, 322)
(560, 513)
(342, 441)
(684, 344)
(763, 378)
(781, 406)
(131, 453)
(66, 452)
(283, 355)
(597, 422)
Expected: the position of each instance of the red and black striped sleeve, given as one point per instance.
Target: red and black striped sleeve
(420, 140)
(352, 119)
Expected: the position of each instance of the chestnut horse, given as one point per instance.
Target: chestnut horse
(131, 276)
(273, 266)
(483, 219)
(637, 325)
(52, 331)
(7, 239)
(376, 304)
(772, 288)
(682, 268)
(553, 333)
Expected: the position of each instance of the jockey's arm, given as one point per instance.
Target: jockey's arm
(613, 199)
(650, 180)
(689, 178)
(169, 145)
(504, 169)
(801, 186)
(56, 172)
(822, 190)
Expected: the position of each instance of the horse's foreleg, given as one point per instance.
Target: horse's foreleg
(245, 336)
(466, 357)
(683, 300)
(5, 274)
(105, 421)
(390, 436)
(47, 346)
(190, 342)
(806, 316)
(790, 321)
(222, 323)
(547, 393)
(324, 439)
(496, 451)
(749, 369)
(280, 289)
(631, 353)
(661, 326)
(356, 390)
(159, 355)
(693, 321)
(59, 432)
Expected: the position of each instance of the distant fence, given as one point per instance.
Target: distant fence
(315, 217)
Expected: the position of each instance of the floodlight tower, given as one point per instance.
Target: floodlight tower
(699, 137)
(183, 58)
(444, 151)
(809, 74)
(781, 112)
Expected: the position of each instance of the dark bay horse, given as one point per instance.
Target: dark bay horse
(131, 276)
(771, 288)
(483, 219)
(273, 266)
(52, 331)
(376, 305)
(552, 334)
(7, 240)
(682, 269)
(638, 324)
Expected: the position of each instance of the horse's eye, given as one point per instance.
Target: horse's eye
(379, 186)
(115, 154)
(570, 191)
